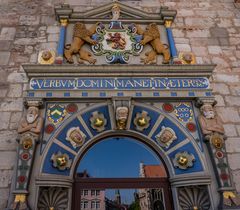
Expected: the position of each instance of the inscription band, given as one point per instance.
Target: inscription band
(118, 83)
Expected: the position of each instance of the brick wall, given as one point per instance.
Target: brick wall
(210, 29)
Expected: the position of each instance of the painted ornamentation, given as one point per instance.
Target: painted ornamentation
(187, 58)
(76, 137)
(46, 57)
(61, 161)
(81, 35)
(166, 137)
(98, 121)
(121, 117)
(183, 112)
(29, 129)
(151, 35)
(117, 42)
(142, 120)
(56, 113)
(213, 131)
(183, 160)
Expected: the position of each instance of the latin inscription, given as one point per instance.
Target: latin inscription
(119, 83)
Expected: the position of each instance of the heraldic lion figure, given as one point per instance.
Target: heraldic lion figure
(152, 35)
(80, 36)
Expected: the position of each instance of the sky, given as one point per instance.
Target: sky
(117, 157)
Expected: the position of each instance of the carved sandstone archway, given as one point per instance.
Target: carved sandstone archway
(185, 145)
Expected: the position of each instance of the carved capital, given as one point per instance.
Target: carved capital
(30, 102)
(168, 23)
(201, 101)
(20, 202)
(64, 22)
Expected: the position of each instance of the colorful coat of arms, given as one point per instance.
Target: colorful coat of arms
(56, 113)
(183, 112)
(117, 42)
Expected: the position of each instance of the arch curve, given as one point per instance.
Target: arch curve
(185, 141)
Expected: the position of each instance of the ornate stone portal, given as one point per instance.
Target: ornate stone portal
(152, 103)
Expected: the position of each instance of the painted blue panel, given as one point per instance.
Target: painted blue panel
(138, 94)
(67, 94)
(30, 94)
(173, 94)
(62, 135)
(49, 94)
(171, 42)
(152, 114)
(168, 123)
(191, 94)
(102, 94)
(120, 94)
(61, 41)
(48, 167)
(208, 94)
(86, 117)
(84, 94)
(197, 166)
(156, 94)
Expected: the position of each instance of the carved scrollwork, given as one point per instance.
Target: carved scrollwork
(53, 198)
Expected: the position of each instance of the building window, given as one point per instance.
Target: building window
(93, 204)
(85, 192)
(92, 192)
(97, 192)
(97, 204)
(84, 204)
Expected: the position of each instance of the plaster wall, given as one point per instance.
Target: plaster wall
(210, 29)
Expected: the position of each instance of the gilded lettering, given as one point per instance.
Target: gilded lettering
(172, 83)
(110, 83)
(95, 83)
(138, 83)
(46, 84)
(52, 83)
(119, 84)
(162, 83)
(129, 83)
(39, 83)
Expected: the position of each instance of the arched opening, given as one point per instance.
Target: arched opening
(121, 172)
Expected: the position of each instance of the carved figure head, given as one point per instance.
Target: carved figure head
(121, 116)
(166, 136)
(188, 57)
(207, 111)
(32, 114)
(115, 12)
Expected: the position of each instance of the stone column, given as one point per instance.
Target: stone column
(173, 50)
(61, 42)
(213, 135)
(29, 130)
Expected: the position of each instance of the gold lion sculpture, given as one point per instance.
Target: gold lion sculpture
(152, 35)
(80, 36)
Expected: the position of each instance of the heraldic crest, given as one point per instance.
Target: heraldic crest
(116, 41)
